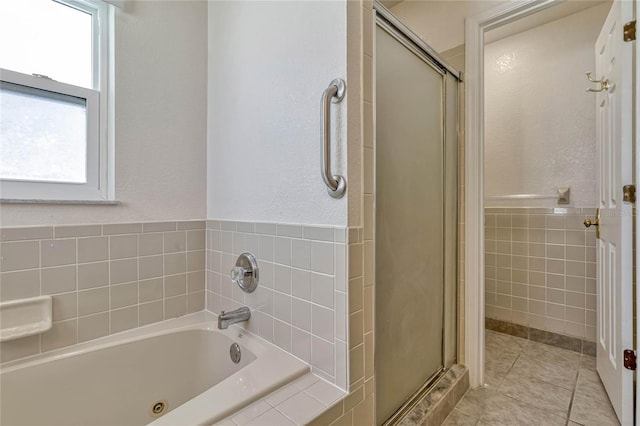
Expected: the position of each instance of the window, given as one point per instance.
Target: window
(54, 100)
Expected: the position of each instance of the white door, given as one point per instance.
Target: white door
(614, 247)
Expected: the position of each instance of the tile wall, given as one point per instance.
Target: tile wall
(301, 301)
(540, 269)
(103, 278)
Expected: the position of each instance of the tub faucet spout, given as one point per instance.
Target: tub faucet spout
(225, 319)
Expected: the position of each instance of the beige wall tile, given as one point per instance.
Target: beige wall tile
(175, 241)
(123, 246)
(520, 304)
(576, 238)
(576, 315)
(537, 221)
(93, 275)
(503, 301)
(58, 252)
(196, 240)
(122, 271)
(175, 285)
(195, 260)
(60, 279)
(356, 329)
(61, 334)
(318, 233)
(159, 226)
(195, 281)
(191, 224)
(175, 263)
(121, 228)
(151, 290)
(576, 299)
(26, 233)
(555, 222)
(19, 284)
(195, 302)
(575, 329)
(368, 309)
(576, 269)
(150, 244)
(66, 231)
(19, 348)
(151, 312)
(356, 364)
(576, 253)
(175, 306)
(576, 284)
(124, 295)
(93, 301)
(556, 296)
(355, 397)
(93, 249)
(65, 306)
(124, 319)
(19, 255)
(555, 311)
(368, 217)
(93, 327)
(150, 266)
(355, 260)
(556, 281)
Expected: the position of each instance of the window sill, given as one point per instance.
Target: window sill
(68, 202)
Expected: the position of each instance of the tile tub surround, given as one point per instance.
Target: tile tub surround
(104, 278)
(301, 301)
(540, 269)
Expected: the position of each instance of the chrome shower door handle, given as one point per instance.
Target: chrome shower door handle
(336, 184)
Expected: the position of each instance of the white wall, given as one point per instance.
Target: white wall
(269, 63)
(161, 51)
(540, 122)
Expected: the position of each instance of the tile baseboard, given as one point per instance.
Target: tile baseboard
(541, 336)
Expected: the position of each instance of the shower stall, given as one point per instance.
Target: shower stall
(416, 214)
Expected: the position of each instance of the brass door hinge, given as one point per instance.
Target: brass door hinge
(629, 31)
(629, 359)
(629, 193)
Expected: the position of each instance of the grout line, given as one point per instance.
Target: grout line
(573, 394)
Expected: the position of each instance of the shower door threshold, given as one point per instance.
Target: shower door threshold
(414, 399)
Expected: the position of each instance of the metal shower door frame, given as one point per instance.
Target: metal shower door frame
(384, 19)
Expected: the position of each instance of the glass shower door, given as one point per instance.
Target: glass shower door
(410, 223)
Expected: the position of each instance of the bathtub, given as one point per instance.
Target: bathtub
(183, 363)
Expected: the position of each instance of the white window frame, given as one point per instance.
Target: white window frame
(99, 106)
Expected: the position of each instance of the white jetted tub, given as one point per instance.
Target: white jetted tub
(183, 363)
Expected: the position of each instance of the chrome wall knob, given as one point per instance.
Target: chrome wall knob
(245, 273)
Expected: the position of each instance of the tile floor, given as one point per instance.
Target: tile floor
(530, 383)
